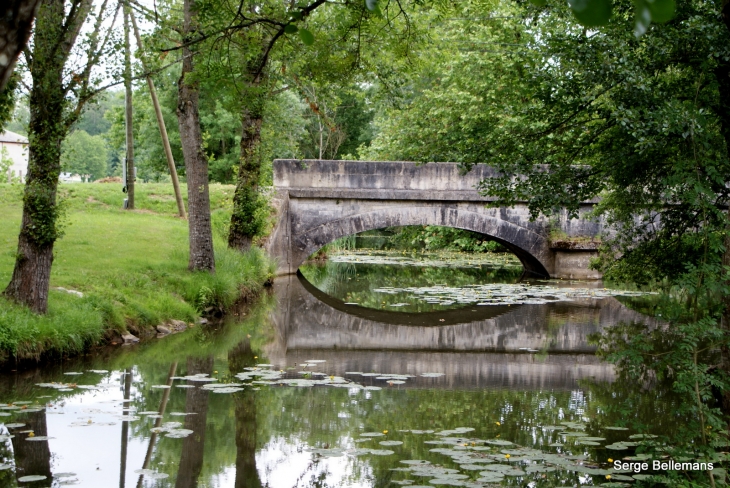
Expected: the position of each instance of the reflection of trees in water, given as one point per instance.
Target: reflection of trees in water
(196, 404)
(32, 457)
(247, 475)
(125, 429)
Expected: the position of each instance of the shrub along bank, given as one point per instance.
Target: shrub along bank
(130, 267)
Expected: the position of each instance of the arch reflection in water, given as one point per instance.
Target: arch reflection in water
(467, 344)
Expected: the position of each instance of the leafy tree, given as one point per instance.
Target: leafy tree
(84, 155)
(57, 96)
(568, 114)
(93, 119)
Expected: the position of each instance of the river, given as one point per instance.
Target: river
(374, 369)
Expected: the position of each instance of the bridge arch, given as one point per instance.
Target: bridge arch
(531, 248)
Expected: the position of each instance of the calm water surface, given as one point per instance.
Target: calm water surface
(325, 383)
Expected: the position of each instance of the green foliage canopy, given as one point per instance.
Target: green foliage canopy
(84, 155)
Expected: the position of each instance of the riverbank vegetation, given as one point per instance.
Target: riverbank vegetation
(130, 267)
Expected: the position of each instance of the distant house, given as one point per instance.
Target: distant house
(15, 147)
(70, 178)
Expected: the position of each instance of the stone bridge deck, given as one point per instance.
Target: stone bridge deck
(320, 201)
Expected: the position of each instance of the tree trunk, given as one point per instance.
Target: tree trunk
(196, 403)
(196, 163)
(128, 111)
(31, 277)
(246, 199)
(247, 476)
(16, 24)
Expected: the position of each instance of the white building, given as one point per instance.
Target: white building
(15, 147)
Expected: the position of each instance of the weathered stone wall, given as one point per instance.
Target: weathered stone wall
(320, 201)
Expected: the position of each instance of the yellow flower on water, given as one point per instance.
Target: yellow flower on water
(215, 372)
(497, 423)
(473, 443)
(31, 434)
(385, 432)
(255, 357)
(507, 456)
(610, 460)
(608, 476)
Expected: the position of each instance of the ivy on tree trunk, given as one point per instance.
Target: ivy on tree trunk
(247, 220)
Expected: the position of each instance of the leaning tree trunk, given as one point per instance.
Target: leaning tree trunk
(196, 163)
(31, 276)
(16, 23)
(246, 199)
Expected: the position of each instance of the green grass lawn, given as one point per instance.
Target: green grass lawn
(131, 267)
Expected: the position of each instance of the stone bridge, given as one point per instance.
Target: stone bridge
(320, 201)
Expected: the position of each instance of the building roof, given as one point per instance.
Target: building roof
(12, 137)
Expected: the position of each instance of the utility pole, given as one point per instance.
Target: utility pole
(129, 162)
(160, 123)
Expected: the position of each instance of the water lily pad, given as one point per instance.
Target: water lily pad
(372, 434)
(420, 462)
(178, 433)
(34, 477)
(227, 390)
(390, 443)
(616, 428)
(642, 436)
(381, 452)
(160, 386)
(498, 442)
(39, 438)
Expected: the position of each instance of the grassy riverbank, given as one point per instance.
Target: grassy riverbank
(130, 266)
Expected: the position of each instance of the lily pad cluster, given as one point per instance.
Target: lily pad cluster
(503, 294)
(434, 260)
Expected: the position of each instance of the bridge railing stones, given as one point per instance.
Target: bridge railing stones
(319, 201)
